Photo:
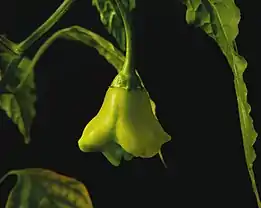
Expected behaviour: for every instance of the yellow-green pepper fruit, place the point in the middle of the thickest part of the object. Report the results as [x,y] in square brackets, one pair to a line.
[125,126]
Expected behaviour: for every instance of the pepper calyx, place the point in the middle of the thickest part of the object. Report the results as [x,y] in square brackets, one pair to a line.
[128,81]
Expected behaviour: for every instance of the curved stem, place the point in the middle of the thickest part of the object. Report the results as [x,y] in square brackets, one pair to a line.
[63,8]
[128,66]
[39,53]
[4,177]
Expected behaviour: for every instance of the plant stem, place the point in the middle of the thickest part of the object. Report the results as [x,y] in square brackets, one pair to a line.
[128,67]
[40,52]
[4,177]
[63,8]
[8,46]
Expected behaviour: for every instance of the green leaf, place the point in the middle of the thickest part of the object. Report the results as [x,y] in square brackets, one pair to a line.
[220,19]
[111,18]
[18,103]
[38,188]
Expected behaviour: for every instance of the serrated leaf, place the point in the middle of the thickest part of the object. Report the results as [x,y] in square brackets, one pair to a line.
[18,103]
[111,18]
[220,19]
[41,188]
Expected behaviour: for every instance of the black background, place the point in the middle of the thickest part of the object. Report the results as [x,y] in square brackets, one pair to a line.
[186,75]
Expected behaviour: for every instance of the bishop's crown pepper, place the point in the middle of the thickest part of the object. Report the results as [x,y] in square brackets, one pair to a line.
[126,125]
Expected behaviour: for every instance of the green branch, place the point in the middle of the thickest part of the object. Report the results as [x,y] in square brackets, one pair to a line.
[8,46]
[39,53]
[63,8]
[128,66]
[4,177]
